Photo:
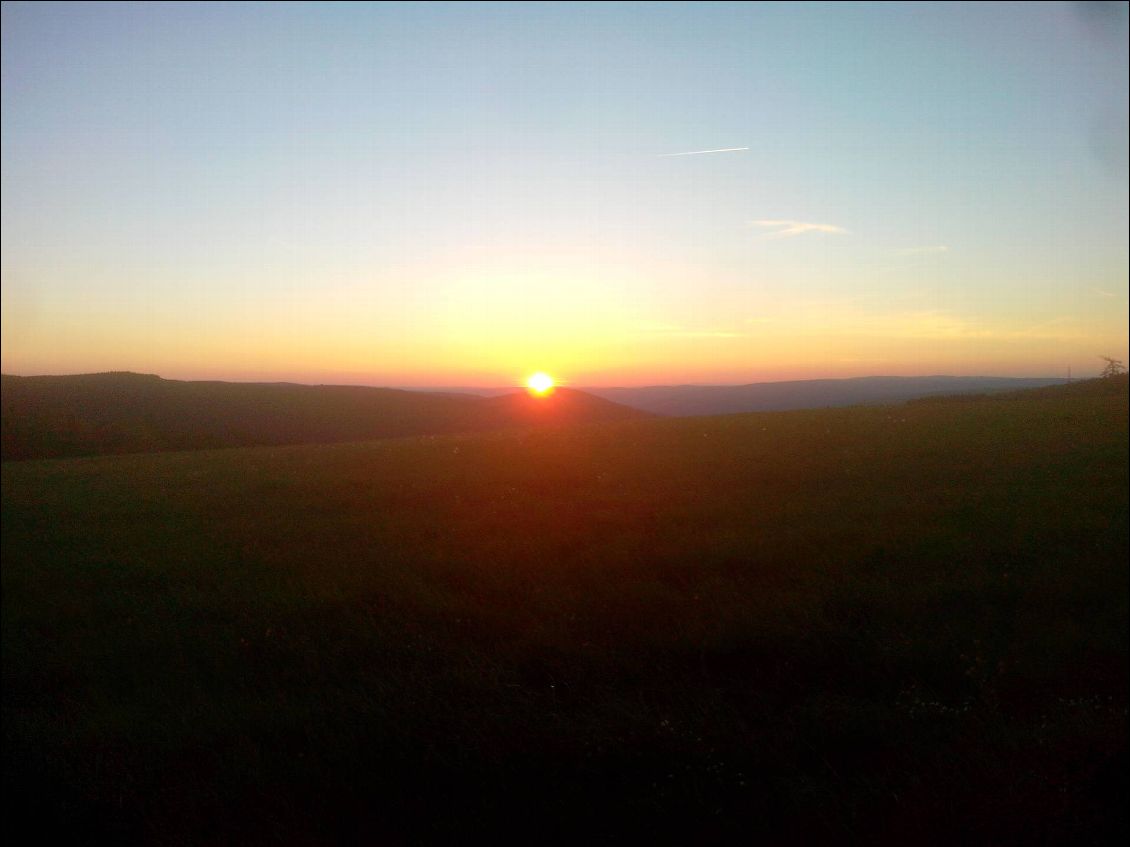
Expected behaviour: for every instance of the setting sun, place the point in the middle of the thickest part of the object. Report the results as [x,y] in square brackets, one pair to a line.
[540,384]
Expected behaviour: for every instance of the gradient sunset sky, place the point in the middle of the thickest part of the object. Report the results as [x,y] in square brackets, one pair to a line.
[435,194]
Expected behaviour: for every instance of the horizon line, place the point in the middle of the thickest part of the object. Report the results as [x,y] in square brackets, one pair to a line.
[472,387]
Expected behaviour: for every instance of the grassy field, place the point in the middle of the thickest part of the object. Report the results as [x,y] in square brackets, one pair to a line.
[896,625]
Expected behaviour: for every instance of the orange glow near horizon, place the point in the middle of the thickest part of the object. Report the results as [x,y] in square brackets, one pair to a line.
[540,384]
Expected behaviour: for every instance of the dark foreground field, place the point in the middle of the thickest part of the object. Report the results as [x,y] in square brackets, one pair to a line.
[889,625]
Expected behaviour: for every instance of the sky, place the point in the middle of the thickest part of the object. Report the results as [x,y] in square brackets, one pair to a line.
[460,194]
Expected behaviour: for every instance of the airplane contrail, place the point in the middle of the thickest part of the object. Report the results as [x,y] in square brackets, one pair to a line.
[700,152]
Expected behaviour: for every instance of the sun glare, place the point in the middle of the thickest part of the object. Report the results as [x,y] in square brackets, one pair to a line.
[540,384]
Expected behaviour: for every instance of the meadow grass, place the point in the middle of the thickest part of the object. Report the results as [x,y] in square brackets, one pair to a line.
[901,624]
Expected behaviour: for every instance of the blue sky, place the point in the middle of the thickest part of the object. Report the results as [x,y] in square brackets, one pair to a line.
[444,193]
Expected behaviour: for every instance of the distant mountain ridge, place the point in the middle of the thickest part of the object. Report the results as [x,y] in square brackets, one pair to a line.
[685,400]
[122,412]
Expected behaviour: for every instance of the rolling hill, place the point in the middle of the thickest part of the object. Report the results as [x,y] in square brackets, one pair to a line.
[92,414]
[806,394]
[876,625]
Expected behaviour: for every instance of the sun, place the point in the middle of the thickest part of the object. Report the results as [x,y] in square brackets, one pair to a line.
[540,384]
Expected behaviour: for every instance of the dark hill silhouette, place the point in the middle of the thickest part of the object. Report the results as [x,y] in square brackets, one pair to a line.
[563,406]
[92,414]
[1097,387]
[683,400]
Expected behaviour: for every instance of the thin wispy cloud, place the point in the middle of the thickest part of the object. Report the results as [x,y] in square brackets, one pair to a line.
[789,229]
[830,302]
[705,333]
[666,330]
[939,325]
[700,152]
[923,251]
[1102,293]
